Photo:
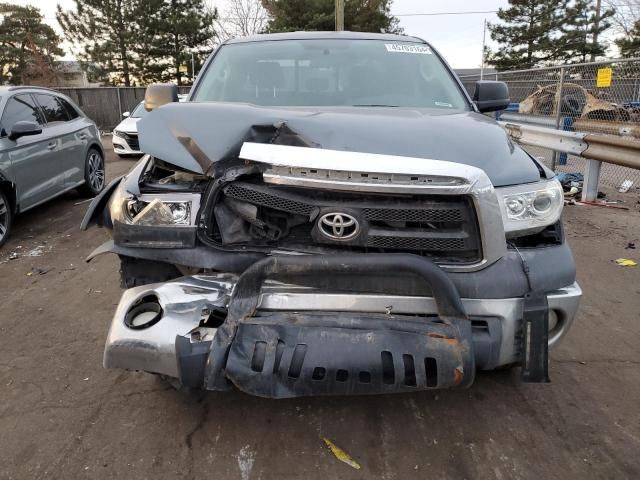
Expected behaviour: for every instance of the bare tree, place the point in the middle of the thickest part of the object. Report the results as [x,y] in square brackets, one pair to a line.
[241,18]
[627,14]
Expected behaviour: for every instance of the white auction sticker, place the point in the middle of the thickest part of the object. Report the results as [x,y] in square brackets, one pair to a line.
[407,48]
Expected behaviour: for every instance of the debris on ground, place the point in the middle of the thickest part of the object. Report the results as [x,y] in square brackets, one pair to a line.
[36,252]
[571,184]
[625,262]
[601,204]
[14,255]
[341,454]
[38,271]
[631,246]
[625,186]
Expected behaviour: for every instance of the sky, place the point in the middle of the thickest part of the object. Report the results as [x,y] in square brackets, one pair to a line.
[457,37]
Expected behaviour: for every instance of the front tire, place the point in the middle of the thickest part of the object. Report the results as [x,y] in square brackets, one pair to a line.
[6,217]
[94,177]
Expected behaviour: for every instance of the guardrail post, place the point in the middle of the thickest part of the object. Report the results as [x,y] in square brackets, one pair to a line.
[558,112]
[591,181]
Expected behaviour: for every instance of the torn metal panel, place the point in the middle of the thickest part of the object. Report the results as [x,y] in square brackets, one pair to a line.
[217,131]
[576,101]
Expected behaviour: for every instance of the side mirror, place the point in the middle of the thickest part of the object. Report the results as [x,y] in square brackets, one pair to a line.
[491,96]
[158,94]
[24,128]
[126,114]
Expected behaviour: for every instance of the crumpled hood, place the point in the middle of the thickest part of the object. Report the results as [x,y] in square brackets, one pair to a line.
[195,135]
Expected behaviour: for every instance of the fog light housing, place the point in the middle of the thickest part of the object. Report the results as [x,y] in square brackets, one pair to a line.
[145,313]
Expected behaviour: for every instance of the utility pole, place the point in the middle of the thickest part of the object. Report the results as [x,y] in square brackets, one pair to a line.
[596,26]
[484,36]
[339,15]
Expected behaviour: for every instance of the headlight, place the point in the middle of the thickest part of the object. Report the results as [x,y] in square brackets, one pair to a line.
[166,209]
[530,207]
[118,133]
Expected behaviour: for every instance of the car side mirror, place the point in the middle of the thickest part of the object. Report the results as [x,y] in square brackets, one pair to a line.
[491,96]
[24,128]
[159,94]
[126,114]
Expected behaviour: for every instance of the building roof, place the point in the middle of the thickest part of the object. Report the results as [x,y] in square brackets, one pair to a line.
[326,35]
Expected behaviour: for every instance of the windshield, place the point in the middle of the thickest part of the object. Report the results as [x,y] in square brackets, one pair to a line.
[330,73]
[139,111]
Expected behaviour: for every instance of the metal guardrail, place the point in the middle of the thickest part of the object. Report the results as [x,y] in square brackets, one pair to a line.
[556,97]
[595,147]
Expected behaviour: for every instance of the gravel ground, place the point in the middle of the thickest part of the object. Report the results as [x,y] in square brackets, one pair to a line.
[63,416]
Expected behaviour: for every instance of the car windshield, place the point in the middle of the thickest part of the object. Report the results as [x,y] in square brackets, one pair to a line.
[330,73]
[139,111]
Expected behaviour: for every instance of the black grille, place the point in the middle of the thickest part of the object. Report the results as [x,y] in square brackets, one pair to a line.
[266,199]
[132,140]
[443,227]
[413,215]
[413,243]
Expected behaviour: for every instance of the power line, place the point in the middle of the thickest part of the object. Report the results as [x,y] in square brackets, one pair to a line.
[441,13]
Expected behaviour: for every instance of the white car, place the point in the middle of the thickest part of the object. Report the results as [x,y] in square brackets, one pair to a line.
[125,135]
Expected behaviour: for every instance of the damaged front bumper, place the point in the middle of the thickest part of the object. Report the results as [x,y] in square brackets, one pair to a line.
[281,340]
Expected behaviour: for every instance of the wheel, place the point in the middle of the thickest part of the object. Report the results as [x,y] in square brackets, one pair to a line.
[93,174]
[6,217]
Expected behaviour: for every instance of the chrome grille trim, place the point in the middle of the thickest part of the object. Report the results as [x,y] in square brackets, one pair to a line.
[363,181]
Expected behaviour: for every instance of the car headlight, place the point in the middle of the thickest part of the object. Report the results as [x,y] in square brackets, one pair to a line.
[118,133]
[530,207]
[166,209]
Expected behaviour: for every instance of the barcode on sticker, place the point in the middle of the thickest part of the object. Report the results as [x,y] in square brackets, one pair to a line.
[407,48]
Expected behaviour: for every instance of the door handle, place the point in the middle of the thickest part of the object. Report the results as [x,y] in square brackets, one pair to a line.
[52,145]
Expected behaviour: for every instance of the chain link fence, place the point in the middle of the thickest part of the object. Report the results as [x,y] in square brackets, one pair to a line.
[597,97]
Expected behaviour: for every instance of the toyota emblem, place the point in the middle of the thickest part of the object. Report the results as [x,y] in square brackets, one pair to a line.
[338,226]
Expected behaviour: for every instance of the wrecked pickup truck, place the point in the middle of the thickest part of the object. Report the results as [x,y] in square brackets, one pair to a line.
[331,213]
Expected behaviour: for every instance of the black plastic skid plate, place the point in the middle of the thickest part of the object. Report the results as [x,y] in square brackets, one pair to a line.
[283,355]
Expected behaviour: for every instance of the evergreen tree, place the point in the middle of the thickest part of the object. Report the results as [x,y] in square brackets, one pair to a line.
[105,29]
[149,59]
[27,45]
[172,31]
[529,35]
[582,31]
[359,15]
[630,44]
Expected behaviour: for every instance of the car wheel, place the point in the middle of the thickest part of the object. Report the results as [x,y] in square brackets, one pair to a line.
[6,217]
[94,177]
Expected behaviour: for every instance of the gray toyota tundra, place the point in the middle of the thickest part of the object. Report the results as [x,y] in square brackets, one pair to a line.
[332,214]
